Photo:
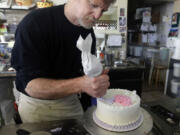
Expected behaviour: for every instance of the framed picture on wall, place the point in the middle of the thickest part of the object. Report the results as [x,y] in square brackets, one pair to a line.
[173,32]
[175,19]
[122,11]
[122,21]
[122,29]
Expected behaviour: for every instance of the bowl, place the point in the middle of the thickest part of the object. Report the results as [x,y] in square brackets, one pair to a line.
[44,4]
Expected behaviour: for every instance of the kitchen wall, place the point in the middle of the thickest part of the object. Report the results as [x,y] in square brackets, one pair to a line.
[165,10]
[176,6]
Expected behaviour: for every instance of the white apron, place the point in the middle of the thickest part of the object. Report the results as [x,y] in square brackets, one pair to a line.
[36,110]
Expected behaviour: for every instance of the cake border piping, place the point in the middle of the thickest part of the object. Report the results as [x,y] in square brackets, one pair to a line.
[116,128]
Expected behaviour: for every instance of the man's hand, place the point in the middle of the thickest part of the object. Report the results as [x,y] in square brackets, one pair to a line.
[96,86]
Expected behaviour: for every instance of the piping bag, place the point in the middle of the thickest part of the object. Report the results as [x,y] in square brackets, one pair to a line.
[92,66]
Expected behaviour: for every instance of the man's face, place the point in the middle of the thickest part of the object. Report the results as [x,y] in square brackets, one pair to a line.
[90,11]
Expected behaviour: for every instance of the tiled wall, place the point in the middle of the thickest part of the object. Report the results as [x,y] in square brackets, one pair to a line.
[176,6]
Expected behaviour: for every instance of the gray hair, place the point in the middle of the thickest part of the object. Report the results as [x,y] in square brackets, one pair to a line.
[109,1]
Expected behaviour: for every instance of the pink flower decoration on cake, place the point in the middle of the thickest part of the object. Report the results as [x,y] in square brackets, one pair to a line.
[123,100]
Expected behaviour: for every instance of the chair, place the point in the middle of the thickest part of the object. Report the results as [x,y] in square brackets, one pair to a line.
[159,65]
[157,74]
[153,53]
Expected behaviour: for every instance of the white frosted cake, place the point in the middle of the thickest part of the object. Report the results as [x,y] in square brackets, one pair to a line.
[118,110]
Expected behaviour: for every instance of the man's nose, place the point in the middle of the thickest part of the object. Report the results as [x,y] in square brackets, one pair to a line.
[97,13]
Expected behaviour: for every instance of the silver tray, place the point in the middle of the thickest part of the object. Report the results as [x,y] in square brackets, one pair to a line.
[94,129]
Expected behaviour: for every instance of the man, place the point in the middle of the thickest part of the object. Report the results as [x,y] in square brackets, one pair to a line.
[48,63]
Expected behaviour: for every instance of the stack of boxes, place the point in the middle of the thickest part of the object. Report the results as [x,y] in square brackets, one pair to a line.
[148,29]
[175,82]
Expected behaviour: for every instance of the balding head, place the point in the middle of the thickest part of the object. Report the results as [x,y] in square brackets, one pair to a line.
[86,12]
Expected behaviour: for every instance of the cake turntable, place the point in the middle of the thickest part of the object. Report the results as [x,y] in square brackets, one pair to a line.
[94,129]
[40,133]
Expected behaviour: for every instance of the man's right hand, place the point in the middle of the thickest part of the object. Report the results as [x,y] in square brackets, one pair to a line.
[96,86]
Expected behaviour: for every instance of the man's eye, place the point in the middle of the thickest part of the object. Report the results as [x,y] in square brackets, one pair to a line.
[94,6]
[104,11]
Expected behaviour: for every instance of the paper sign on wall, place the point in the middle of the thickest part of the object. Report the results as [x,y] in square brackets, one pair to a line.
[114,40]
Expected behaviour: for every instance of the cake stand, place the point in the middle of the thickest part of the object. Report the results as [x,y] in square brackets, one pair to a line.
[94,129]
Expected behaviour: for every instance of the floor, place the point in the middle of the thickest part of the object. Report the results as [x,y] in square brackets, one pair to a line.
[151,92]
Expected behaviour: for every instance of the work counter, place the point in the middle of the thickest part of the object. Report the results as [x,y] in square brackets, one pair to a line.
[75,127]
[7,74]
[128,76]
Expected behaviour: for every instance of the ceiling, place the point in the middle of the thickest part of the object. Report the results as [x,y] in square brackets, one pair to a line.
[133,4]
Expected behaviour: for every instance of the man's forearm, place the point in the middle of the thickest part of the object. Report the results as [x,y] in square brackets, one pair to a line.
[53,89]
[44,88]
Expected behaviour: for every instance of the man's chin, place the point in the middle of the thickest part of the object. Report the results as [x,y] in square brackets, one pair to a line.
[86,26]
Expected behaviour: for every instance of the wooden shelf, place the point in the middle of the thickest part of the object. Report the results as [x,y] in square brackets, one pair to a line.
[16,7]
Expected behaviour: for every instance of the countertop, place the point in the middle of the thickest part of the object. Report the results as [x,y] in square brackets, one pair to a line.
[123,66]
[165,128]
[7,74]
[128,64]
[160,119]
[64,127]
